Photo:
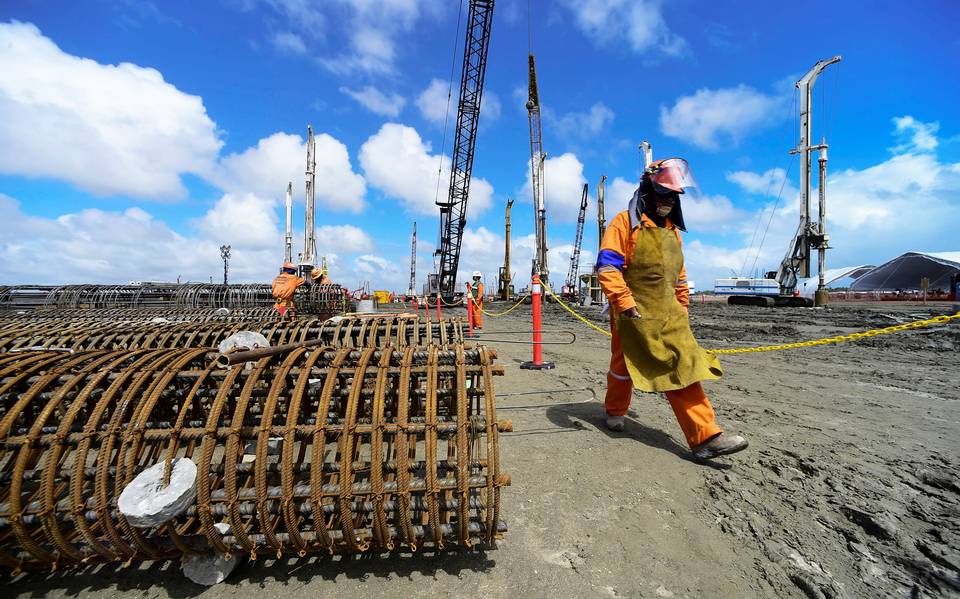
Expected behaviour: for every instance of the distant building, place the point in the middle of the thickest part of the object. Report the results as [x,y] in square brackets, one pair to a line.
[904,272]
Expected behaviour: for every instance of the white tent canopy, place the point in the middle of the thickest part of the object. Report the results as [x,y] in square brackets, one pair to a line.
[809,285]
[904,272]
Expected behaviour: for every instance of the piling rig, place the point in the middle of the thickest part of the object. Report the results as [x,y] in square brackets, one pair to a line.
[504,288]
[313,451]
[571,288]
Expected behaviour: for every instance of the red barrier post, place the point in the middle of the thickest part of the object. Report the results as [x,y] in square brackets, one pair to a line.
[537,363]
[438,308]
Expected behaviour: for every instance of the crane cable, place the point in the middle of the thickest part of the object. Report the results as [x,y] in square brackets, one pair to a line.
[446,115]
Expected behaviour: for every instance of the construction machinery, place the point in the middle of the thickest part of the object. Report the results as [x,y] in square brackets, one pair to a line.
[595,293]
[504,288]
[309,257]
[571,290]
[810,234]
[453,209]
[412,290]
[288,235]
[537,161]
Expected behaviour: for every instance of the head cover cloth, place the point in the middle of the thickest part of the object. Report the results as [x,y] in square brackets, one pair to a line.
[665,179]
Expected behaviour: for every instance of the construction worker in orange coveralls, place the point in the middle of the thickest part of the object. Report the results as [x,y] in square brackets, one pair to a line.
[284,287]
[475,291]
[641,271]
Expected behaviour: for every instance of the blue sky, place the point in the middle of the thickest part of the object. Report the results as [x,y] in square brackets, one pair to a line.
[137,137]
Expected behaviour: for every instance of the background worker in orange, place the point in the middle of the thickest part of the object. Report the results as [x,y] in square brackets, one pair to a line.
[284,287]
[475,291]
[641,271]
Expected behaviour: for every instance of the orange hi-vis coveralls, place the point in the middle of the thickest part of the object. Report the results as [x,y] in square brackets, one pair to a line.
[661,355]
[477,293]
[284,287]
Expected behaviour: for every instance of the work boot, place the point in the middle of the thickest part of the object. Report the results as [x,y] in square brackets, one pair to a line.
[722,444]
[615,423]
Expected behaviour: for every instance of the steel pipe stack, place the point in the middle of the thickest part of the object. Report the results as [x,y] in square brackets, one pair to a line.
[316,450]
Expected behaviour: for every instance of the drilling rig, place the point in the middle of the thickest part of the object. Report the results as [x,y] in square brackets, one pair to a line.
[537,161]
[571,289]
[453,209]
[595,293]
[309,257]
[412,290]
[288,236]
[779,287]
[503,281]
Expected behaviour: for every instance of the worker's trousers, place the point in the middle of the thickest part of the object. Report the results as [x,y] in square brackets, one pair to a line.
[477,314]
[690,405]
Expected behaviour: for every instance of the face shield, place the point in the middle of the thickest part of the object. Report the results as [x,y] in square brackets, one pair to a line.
[671,176]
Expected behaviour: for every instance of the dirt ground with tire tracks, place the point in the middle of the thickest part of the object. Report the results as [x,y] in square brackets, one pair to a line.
[849,487]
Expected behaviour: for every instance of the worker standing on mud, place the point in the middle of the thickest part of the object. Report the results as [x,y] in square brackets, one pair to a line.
[284,287]
[641,271]
[475,292]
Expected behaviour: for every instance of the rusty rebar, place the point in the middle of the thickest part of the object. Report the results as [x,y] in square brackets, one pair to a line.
[324,449]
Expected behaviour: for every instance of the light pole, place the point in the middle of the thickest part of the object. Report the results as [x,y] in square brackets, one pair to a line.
[225,254]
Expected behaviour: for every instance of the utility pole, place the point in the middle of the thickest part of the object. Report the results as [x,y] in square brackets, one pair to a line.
[413,262]
[225,254]
[537,160]
[309,243]
[288,237]
[504,279]
[812,235]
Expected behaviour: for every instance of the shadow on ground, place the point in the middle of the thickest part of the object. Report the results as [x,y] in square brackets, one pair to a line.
[114,578]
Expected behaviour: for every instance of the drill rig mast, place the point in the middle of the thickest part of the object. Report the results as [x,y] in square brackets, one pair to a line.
[453,210]
[810,234]
[537,160]
[288,236]
[503,281]
[309,257]
[413,262]
[570,289]
[596,294]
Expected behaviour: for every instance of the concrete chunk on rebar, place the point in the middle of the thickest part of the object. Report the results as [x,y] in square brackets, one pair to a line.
[209,570]
[146,503]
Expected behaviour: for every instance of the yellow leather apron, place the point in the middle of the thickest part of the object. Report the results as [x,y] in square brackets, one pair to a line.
[660,350]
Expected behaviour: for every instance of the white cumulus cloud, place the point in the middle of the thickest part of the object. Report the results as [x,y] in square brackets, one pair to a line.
[289,42]
[397,161]
[265,169]
[638,24]
[116,129]
[581,124]
[711,117]
[345,239]
[563,187]
[914,135]
[376,101]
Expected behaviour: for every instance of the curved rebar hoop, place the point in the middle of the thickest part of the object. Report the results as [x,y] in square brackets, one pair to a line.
[317,450]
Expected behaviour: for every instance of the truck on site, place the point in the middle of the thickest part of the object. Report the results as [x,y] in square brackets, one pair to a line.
[779,287]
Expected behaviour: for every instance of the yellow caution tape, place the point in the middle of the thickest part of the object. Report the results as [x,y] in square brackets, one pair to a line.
[498,314]
[917,324]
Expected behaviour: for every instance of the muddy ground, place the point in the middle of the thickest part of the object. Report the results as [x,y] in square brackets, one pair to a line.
[849,487]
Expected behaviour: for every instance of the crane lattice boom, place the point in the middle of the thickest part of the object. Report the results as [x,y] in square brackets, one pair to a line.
[453,210]
[575,258]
